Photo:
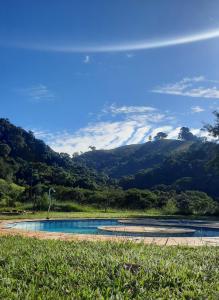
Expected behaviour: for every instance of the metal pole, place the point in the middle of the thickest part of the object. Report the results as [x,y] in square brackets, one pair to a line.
[50,201]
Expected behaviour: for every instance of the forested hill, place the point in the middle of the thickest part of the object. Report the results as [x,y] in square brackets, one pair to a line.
[194,169]
[29,161]
[165,164]
[169,164]
[128,160]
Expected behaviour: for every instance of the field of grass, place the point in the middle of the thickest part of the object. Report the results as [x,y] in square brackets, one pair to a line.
[91,214]
[73,210]
[36,269]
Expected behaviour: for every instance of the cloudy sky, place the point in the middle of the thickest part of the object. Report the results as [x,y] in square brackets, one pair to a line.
[108,73]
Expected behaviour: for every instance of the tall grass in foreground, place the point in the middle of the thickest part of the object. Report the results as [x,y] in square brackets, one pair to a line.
[35,269]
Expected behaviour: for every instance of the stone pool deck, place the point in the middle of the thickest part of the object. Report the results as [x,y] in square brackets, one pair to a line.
[161,241]
[145,229]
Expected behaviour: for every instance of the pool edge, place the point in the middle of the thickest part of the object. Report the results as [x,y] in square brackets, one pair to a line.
[161,241]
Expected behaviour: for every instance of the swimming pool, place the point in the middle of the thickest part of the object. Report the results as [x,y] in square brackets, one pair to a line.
[92,226]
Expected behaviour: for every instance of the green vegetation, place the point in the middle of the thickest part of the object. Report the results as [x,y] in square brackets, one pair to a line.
[82,200]
[37,269]
[175,176]
[162,178]
[87,212]
[10,193]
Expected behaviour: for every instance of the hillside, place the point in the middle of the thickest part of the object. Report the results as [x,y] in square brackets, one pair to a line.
[129,160]
[178,165]
[186,170]
[29,161]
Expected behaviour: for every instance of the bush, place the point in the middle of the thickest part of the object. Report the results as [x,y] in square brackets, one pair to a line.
[197,203]
[4,201]
[10,193]
[141,199]
[201,203]
[170,207]
[68,207]
[42,203]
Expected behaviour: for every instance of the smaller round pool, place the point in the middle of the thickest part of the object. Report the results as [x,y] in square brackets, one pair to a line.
[93,226]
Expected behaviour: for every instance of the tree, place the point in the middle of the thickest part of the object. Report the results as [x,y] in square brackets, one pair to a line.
[170,207]
[4,150]
[75,154]
[195,202]
[160,136]
[92,148]
[142,199]
[149,138]
[200,203]
[10,193]
[186,135]
[213,129]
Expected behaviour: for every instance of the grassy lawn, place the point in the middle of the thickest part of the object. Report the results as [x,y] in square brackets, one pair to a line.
[84,214]
[89,212]
[36,269]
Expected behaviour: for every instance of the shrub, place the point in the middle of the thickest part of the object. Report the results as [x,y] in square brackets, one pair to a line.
[170,207]
[201,203]
[68,207]
[42,202]
[142,199]
[195,202]
[10,193]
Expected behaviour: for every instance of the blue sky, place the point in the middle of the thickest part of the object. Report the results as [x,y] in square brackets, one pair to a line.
[108,73]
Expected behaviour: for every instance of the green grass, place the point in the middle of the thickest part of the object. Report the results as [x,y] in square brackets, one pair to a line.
[35,269]
[70,209]
[86,212]
[98,213]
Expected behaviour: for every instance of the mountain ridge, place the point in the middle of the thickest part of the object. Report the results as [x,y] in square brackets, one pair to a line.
[128,160]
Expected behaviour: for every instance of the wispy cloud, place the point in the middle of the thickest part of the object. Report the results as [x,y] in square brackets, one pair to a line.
[86,59]
[135,124]
[114,109]
[197,109]
[190,87]
[38,93]
[109,135]
[129,55]
[117,126]
[117,47]
[102,135]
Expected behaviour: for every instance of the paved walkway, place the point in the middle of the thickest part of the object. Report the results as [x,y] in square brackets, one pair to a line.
[185,241]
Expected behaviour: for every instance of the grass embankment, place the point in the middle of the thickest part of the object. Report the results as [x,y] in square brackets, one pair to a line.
[34,269]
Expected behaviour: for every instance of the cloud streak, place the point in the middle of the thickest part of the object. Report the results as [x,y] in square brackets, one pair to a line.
[86,59]
[127,109]
[190,87]
[197,109]
[135,124]
[129,125]
[38,93]
[119,47]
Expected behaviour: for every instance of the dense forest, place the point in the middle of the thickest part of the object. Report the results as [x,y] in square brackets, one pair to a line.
[181,176]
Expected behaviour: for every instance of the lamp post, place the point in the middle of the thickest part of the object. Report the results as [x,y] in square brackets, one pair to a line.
[50,201]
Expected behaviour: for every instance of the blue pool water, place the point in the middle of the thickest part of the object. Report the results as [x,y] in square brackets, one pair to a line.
[90,226]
